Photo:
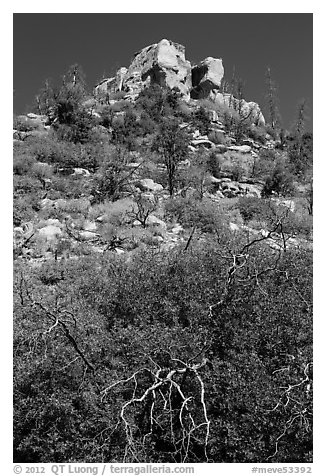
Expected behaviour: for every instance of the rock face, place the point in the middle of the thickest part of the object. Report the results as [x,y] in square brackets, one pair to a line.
[206,76]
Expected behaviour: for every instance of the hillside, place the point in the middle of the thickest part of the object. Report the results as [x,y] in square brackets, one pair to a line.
[163,270]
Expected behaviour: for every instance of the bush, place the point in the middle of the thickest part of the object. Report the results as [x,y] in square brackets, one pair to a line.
[258,134]
[252,208]
[73,206]
[24,209]
[279,182]
[189,212]
[237,172]
[214,165]
[24,124]
[121,315]
[22,163]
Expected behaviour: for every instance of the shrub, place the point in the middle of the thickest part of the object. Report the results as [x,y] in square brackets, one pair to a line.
[258,134]
[252,208]
[214,164]
[24,209]
[204,215]
[73,206]
[24,124]
[22,163]
[280,182]
[236,172]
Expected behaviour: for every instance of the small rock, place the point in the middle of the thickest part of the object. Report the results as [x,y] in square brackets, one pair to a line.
[203,142]
[177,229]
[88,235]
[233,227]
[81,171]
[243,149]
[47,203]
[89,226]
[154,221]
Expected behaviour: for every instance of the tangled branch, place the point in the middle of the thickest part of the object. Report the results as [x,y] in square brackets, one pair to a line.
[158,400]
[302,413]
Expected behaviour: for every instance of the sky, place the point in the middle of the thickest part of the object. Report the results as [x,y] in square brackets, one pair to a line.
[46,44]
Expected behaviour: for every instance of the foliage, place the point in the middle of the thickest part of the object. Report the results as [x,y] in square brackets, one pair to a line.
[257,342]
[279,182]
[65,108]
[158,102]
[201,120]
[172,143]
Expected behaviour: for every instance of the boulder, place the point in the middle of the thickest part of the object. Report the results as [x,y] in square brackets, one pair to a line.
[177,229]
[81,171]
[89,226]
[230,189]
[50,232]
[152,220]
[148,185]
[243,149]
[53,221]
[47,203]
[221,148]
[162,63]
[206,76]
[203,142]
[88,235]
[250,109]
[234,226]
[253,190]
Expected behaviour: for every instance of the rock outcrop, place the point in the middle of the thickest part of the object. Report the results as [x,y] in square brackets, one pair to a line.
[206,76]
[165,64]
[162,63]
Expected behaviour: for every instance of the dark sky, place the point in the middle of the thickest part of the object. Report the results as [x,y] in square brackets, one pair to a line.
[45,45]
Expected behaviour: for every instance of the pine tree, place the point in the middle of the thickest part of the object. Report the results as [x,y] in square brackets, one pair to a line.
[272,100]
